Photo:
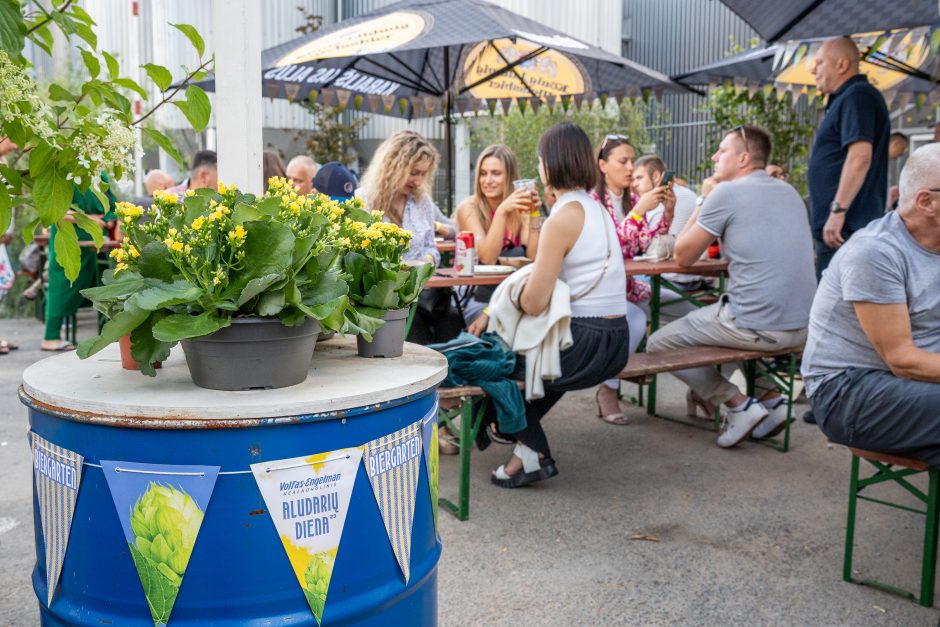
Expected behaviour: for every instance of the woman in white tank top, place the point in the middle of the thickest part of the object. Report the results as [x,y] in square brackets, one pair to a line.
[578,245]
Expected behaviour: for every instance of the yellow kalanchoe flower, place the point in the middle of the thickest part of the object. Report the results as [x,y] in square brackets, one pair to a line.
[222,188]
[190,193]
[198,222]
[177,246]
[120,267]
[133,251]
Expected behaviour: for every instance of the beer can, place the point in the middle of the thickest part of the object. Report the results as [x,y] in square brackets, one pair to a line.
[464,254]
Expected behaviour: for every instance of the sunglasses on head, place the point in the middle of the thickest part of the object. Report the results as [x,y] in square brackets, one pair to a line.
[614,138]
[743,132]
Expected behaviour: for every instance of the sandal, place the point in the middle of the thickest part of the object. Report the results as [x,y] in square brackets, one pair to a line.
[9,346]
[616,418]
[533,469]
[61,347]
[498,437]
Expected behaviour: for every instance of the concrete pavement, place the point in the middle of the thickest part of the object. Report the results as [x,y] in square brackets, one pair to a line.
[745,536]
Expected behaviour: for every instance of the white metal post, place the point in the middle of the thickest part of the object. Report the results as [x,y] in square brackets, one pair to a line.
[237,108]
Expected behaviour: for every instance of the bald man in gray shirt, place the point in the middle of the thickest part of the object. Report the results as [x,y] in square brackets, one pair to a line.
[872,359]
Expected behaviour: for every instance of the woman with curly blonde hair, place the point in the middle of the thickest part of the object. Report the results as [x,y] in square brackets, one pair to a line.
[398,184]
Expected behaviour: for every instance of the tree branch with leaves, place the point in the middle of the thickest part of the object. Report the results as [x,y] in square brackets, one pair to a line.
[67,137]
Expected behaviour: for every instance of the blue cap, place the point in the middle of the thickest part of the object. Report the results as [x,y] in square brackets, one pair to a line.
[335,180]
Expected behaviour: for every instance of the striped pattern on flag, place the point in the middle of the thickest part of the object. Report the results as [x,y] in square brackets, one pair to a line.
[395,487]
[51,465]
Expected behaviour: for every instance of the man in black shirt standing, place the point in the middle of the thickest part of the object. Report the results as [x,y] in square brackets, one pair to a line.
[848,168]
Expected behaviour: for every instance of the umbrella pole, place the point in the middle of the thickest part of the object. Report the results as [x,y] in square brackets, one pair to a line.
[448,135]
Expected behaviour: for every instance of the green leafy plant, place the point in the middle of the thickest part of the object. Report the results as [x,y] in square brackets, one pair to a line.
[188,268]
[165,522]
[69,136]
[521,129]
[378,279]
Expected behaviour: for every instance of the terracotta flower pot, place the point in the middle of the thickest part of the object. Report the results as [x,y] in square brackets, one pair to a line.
[127,361]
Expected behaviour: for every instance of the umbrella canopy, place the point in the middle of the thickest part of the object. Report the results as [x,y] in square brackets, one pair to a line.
[420,57]
[800,19]
[894,62]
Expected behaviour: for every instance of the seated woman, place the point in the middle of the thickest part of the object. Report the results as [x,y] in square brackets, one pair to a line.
[615,165]
[578,245]
[497,216]
[398,184]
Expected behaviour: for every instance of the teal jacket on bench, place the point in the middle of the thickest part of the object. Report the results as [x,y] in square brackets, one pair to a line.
[487,363]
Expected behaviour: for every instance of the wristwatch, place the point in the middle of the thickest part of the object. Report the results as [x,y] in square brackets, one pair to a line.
[835,208]
[700,200]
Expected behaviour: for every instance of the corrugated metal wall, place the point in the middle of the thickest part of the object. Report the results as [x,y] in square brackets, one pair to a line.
[674,36]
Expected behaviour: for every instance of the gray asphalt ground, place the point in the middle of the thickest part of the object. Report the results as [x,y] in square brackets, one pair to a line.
[748,536]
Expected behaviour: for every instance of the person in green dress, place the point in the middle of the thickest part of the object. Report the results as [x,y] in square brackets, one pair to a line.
[62,297]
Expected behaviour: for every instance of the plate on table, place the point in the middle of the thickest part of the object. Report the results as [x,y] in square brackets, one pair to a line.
[645,258]
[515,262]
[491,270]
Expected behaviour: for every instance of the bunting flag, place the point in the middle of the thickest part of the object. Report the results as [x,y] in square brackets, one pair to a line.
[392,464]
[388,101]
[56,474]
[374,103]
[308,499]
[342,97]
[431,452]
[161,508]
[272,91]
[291,89]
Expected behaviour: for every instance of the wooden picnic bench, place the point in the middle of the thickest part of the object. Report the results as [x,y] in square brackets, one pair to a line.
[643,367]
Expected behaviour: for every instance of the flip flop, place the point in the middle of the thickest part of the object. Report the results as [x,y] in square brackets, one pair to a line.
[10,346]
[61,347]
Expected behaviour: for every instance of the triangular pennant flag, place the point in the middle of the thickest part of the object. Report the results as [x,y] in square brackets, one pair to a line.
[536,104]
[461,105]
[658,92]
[577,99]
[551,101]
[505,103]
[491,105]
[920,100]
[403,105]
[415,105]
[161,509]
[431,452]
[374,103]
[312,96]
[388,101]
[430,104]
[308,499]
[904,98]
[565,103]
[392,464]
[475,106]
[328,97]
[56,474]
[342,96]
[291,89]
[357,102]
[272,89]
[889,96]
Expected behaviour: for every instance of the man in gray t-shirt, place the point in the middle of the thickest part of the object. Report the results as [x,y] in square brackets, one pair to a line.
[872,359]
[766,238]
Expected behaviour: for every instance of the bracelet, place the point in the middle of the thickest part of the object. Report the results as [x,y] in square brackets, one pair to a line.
[638,219]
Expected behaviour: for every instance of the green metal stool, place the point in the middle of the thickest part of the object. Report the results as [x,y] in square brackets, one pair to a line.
[896,469]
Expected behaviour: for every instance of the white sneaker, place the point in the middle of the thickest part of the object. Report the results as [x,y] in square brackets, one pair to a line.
[774,423]
[739,424]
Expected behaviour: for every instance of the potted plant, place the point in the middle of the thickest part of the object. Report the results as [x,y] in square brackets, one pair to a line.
[244,282]
[381,285]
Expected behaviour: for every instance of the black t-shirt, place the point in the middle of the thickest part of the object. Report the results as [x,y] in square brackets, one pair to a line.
[855,112]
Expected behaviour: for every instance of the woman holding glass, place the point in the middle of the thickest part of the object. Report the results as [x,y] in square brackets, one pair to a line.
[498,216]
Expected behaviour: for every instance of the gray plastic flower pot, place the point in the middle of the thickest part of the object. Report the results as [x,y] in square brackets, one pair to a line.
[252,354]
[389,339]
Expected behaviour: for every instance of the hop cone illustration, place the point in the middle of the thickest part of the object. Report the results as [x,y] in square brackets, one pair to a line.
[165,522]
[317,580]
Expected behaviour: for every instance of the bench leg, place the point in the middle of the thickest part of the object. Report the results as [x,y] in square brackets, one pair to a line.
[929,567]
[850,524]
[466,443]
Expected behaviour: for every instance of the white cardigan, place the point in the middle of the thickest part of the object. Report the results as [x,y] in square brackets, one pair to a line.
[540,338]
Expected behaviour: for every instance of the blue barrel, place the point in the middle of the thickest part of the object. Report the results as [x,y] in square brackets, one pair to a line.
[239,573]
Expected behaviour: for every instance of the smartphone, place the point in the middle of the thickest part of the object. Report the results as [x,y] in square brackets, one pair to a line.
[667,178]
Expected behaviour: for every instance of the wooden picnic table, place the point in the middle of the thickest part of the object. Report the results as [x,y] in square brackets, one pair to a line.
[447,277]
[703,267]
[446,246]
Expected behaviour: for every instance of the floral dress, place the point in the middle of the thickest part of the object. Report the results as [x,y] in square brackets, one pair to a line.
[634,238]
